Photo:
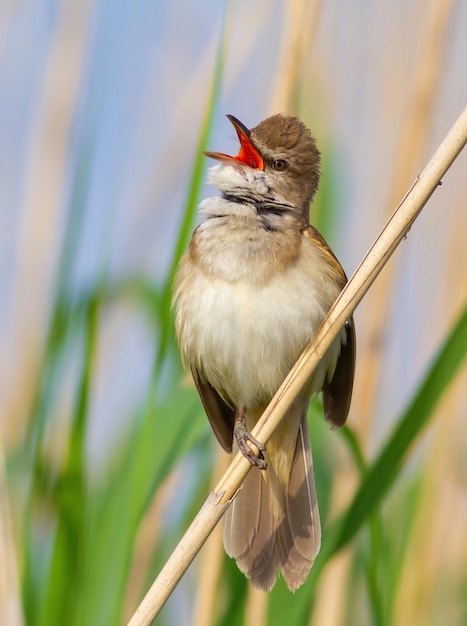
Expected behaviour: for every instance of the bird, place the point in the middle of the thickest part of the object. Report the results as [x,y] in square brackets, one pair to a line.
[250,293]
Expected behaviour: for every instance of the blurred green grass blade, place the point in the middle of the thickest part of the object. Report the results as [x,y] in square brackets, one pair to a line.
[373,564]
[151,452]
[386,467]
[400,520]
[234,605]
[62,310]
[69,493]
[191,205]
[324,208]
[196,180]
[355,449]
[375,569]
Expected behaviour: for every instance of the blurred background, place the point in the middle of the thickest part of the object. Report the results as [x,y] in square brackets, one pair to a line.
[105,453]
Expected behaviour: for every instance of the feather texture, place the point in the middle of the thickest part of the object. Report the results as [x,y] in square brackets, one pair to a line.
[273,523]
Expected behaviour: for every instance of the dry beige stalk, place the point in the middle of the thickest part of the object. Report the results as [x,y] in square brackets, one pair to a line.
[301,21]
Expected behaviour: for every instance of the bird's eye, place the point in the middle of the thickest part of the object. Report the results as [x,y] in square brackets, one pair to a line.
[279,165]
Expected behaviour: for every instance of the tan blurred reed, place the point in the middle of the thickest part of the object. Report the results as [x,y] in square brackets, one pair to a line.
[10,597]
[423,87]
[301,20]
[148,536]
[41,223]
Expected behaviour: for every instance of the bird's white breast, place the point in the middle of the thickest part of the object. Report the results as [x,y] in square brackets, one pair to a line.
[241,333]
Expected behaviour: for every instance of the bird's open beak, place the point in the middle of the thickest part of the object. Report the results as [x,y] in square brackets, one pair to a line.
[248,154]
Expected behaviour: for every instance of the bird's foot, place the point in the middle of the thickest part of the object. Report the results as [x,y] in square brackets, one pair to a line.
[245,441]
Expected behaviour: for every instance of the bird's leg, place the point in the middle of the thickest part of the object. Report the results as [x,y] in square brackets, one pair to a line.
[244,438]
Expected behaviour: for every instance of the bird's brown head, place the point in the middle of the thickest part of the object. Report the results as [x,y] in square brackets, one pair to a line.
[282,149]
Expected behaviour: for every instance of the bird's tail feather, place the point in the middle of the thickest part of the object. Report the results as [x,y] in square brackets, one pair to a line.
[273,524]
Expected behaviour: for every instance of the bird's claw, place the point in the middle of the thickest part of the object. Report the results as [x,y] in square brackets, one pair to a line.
[244,438]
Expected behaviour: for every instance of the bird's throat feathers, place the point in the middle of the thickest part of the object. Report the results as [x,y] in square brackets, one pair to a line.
[245,193]
[239,181]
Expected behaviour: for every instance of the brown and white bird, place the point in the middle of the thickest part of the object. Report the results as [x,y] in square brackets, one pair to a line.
[250,293]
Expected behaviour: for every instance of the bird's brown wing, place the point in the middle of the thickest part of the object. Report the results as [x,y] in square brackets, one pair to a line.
[220,414]
[337,392]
